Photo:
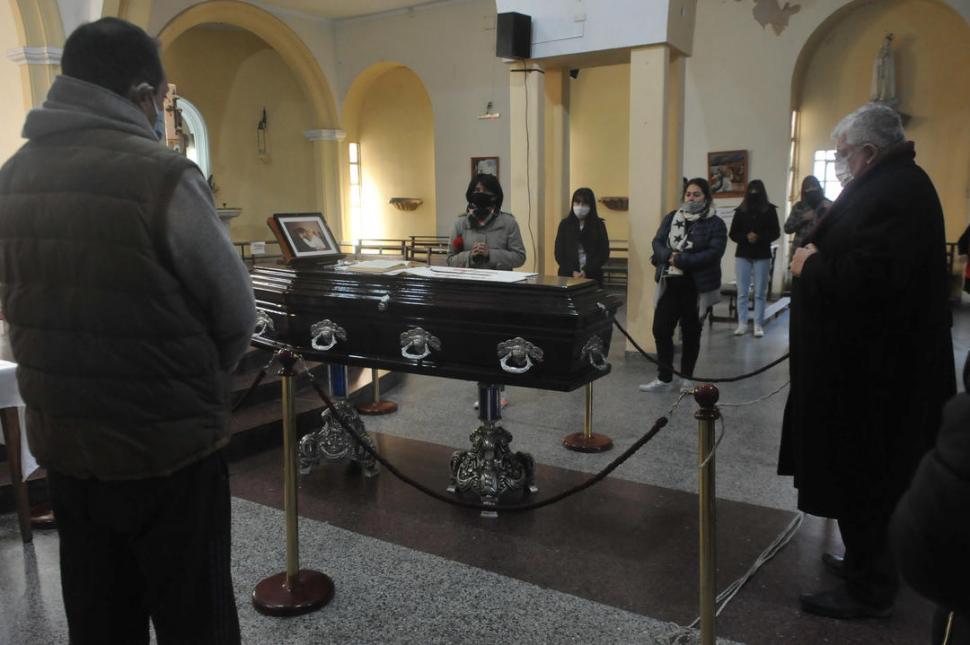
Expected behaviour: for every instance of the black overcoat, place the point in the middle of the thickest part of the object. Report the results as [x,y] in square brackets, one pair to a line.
[871,357]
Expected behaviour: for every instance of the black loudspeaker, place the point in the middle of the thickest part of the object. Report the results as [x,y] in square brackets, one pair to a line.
[513,35]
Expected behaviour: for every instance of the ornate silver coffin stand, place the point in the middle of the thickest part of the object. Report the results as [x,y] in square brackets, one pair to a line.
[490,469]
[331,442]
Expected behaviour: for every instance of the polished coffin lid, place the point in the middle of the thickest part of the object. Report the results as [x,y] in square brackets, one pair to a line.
[469,319]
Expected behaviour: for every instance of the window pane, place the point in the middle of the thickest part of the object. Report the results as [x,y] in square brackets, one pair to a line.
[354,174]
[354,153]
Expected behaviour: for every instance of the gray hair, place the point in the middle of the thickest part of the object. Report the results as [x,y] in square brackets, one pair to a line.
[874,123]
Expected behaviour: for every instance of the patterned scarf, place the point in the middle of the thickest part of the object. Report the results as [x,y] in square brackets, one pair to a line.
[677,238]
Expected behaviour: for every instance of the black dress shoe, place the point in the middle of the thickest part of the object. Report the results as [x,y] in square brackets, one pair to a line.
[835,564]
[839,603]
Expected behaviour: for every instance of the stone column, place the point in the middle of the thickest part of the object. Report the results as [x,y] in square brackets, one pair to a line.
[524,181]
[656,162]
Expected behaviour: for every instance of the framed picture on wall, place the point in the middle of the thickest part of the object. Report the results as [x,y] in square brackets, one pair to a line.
[484,166]
[305,236]
[728,172]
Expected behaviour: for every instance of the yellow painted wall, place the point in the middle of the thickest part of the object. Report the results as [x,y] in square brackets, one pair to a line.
[599,132]
[932,54]
[12,107]
[396,130]
[230,75]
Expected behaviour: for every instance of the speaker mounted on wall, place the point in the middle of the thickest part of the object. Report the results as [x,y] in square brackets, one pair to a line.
[513,35]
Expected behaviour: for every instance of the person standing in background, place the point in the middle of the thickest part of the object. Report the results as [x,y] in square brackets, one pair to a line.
[754,227]
[582,244]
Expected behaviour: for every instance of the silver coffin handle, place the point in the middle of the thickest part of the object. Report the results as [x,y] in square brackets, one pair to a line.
[516,356]
[324,334]
[263,324]
[422,341]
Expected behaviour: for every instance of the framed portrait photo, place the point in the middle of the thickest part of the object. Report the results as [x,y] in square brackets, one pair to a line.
[305,236]
[484,166]
[728,172]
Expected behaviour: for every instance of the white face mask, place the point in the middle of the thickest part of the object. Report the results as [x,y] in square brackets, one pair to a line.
[842,171]
[581,210]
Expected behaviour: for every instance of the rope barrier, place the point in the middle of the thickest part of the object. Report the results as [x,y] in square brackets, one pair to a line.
[639,443]
[723,379]
[758,400]
[252,388]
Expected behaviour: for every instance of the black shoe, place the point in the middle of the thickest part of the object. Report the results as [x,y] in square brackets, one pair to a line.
[835,564]
[839,603]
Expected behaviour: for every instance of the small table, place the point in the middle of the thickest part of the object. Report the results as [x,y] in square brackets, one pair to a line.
[11,406]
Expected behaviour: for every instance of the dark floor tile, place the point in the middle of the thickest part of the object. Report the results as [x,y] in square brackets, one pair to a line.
[629,545]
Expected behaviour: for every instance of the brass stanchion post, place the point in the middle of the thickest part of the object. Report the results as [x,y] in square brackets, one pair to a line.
[377,406]
[706,396]
[295,591]
[587,440]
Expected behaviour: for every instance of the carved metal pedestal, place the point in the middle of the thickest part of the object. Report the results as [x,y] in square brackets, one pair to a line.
[490,469]
[331,442]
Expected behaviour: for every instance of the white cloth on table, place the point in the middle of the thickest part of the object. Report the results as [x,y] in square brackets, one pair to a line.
[10,398]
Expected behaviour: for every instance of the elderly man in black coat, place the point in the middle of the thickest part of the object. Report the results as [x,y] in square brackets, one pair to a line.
[871,356]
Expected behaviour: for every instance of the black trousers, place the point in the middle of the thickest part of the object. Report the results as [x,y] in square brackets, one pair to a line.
[145,549]
[871,571]
[678,304]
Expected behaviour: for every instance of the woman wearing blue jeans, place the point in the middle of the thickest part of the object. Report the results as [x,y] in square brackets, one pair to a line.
[754,227]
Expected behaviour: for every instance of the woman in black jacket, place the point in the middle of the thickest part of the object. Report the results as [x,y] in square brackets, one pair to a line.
[582,245]
[754,228]
[687,253]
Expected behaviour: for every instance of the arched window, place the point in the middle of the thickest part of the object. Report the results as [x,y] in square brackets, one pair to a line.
[196,135]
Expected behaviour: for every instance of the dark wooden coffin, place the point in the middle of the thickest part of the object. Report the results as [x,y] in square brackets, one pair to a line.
[441,327]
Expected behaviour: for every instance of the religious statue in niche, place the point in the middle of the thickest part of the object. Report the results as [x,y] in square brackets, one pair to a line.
[883,88]
[884,75]
[770,12]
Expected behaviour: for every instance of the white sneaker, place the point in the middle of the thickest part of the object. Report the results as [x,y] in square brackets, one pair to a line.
[741,330]
[758,331]
[686,385]
[656,385]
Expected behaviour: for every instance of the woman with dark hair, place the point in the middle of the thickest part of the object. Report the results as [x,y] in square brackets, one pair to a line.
[485,236]
[582,245]
[806,211]
[754,227]
[687,252]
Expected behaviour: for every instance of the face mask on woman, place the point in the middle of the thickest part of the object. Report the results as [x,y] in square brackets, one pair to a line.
[694,207]
[813,197]
[580,210]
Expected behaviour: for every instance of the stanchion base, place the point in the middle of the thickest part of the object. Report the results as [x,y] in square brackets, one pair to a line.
[377,407]
[273,598]
[581,443]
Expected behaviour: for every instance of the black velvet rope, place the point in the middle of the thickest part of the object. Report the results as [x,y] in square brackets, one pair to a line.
[704,379]
[252,388]
[657,426]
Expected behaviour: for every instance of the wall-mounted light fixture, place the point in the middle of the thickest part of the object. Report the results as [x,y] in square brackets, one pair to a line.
[488,114]
[262,150]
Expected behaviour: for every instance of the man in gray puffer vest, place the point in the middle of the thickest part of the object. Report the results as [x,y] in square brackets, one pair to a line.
[128,310]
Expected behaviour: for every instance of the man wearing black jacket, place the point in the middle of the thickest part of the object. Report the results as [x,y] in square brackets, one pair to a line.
[871,356]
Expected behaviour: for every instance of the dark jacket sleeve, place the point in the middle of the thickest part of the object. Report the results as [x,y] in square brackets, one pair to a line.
[771,230]
[661,252]
[603,252]
[565,259]
[930,529]
[736,234]
[711,252]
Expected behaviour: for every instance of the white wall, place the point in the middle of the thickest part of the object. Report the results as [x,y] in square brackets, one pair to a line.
[451,48]
[563,27]
[738,94]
